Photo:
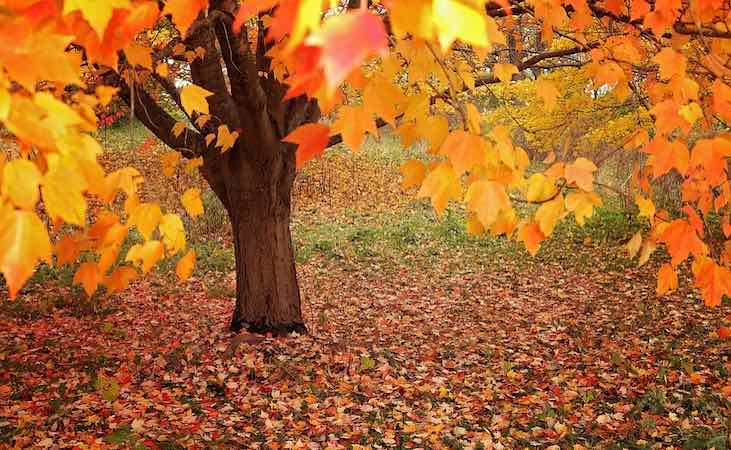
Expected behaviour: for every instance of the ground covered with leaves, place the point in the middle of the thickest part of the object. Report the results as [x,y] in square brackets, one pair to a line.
[419,337]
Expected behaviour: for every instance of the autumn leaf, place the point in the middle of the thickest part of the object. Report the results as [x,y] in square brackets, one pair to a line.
[548,92]
[193,98]
[634,244]
[582,204]
[441,185]
[172,232]
[20,183]
[169,162]
[145,218]
[185,265]
[413,172]
[681,240]
[63,194]
[487,199]
[184,12]
[145,255]
[192,203]
[346,40]
[667,280]
[97,13]
[465,150]
[504,72]
[119,279]
[88,275]
[353,123]
[311,140]
[23,242]
[225,138]
[581,172]
[531,236]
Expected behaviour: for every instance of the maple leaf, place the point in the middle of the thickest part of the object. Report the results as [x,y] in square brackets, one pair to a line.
[96,12]
[145,255]
[183,12]
[119,279]
[173,233]
[681,240]
[581,172]
[712,279]
[441,184]
[540,188]
[346,41]
[582,204]
[465,150]
[531,236]
[504,71]
[20,183]
[251,8]
[548,215]
[646,206]
[193,98]
[413,172]
[192,203]
[169,162]
[226,139]
[667,280]
[487,199]
[23,242]
[353,123]
[311,140]
[88,275]
[472,27]
[671,63]
[63,197]
[185,265]
[145,217]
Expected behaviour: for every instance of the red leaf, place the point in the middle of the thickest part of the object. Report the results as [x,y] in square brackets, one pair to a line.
[311,139]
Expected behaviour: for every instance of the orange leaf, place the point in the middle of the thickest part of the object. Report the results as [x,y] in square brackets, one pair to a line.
[185,265]
[184,12]
[353,123]
[667,279]
[681,240]
[88,276]
[23,241]
[465,150]
[581,172]
[724,332]
[311,140]
[530,234]
[441,185]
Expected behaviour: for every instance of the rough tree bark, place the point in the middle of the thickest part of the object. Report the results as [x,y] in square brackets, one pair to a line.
[253,179]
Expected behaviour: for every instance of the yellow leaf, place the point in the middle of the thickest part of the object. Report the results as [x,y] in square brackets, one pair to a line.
[162,70]
[145,255]
[646,206]
[173,233]
[88,276]
[63,194]
[192,202]
[434,129]
[353,123]
[413,172]
[185,265]
[504,71]
[178,128]
[107,258]
[456,20]
[193,98]
[548,214]
[487,199]
[441,184]
[169,162]
[380,98]
[540,188]
[20,183]
[145,218]
[226,139]
[582,204]
[96,12]
[23,241]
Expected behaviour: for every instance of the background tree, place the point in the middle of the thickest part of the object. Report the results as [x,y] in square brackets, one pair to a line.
[251,79]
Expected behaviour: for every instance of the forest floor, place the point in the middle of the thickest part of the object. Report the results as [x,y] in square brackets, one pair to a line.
[420,336]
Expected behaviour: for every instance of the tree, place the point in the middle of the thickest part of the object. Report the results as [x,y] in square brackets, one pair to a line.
[256,76]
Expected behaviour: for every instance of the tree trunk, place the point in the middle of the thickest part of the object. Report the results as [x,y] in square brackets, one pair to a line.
[267,293]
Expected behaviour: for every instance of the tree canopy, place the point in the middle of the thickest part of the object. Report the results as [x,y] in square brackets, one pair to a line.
[653,74]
